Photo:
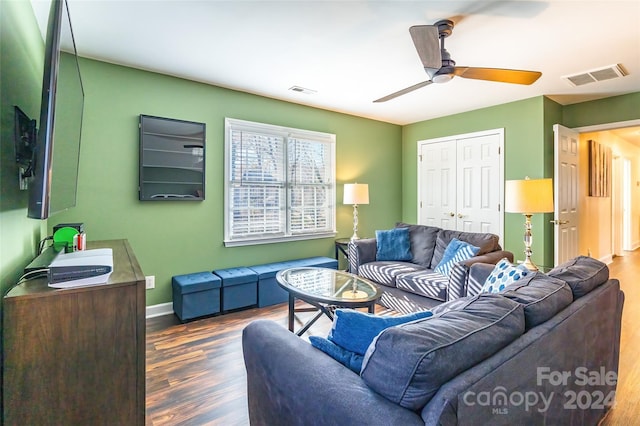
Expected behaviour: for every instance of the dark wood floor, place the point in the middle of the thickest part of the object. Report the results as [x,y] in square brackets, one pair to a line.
[195,372]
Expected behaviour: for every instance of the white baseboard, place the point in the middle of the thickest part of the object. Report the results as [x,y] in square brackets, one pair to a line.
[159,310]
[608,259]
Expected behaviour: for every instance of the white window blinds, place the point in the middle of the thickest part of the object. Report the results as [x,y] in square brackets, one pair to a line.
[280,183]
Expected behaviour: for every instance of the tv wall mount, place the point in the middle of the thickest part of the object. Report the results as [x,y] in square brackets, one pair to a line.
[25,143]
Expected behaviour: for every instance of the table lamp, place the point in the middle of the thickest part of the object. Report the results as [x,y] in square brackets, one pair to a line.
[355,193]
[528,196]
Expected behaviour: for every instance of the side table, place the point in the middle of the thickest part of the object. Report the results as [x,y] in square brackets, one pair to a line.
[342,246]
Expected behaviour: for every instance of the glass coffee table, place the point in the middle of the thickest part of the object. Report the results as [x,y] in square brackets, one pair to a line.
[326,290]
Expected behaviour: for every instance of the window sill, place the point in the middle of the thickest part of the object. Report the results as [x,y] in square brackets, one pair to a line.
[255,241]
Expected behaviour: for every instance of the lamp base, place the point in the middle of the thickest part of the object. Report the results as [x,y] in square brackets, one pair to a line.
[355,223]
[528,240]
[528,263]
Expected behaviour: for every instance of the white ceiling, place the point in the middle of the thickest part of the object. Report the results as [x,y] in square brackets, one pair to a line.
[352,52]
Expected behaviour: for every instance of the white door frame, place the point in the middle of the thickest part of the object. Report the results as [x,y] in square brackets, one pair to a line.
[626,203]
[617,208]
[497,131]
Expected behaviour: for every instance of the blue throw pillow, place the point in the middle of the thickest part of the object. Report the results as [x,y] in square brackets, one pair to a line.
[393,244]
[347,358]
[503,274]
[354,330]
[456,251]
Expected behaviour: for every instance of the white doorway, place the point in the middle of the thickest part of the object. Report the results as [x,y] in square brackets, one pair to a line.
[621,228]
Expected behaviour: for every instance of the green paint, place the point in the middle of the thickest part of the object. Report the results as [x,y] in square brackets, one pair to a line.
[21,62]
[172,238]
[524,156]
[602,111]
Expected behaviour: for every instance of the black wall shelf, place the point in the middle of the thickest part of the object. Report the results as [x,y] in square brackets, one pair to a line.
[172,159]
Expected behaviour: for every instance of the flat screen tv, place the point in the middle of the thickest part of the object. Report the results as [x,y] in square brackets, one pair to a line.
[53,185]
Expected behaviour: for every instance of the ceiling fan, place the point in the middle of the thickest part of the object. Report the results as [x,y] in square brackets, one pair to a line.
[429,42]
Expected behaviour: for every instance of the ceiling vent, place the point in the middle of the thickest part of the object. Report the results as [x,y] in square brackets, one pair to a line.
[600,74]
[303,90]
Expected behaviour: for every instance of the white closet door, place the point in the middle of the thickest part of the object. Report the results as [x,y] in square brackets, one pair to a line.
[478,184]
[438,193]
[461,182]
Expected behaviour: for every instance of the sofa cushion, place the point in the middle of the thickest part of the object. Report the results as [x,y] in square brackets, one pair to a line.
[393,244]
[487,242]
[385,273]
[582,273]
[354,330]
[423,242]
[351,360]
[541,296]
[504,274]
[456,251]
[425,283]
[436,349]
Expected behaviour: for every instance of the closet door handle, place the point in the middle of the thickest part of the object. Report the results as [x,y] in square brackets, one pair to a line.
[450,214]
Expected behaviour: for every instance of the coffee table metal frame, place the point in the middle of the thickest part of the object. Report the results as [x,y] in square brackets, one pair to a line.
[325,305]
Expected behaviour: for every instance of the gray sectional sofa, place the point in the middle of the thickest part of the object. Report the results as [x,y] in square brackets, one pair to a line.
[413,285]
[543,351]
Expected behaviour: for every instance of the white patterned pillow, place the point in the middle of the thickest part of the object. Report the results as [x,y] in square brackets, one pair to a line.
[456,251]
[503,274]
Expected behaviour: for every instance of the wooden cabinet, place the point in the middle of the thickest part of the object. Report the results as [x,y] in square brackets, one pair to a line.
[171,159]
[77,356]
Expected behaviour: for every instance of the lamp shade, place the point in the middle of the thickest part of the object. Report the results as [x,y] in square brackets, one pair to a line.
[528,196]
[356,193]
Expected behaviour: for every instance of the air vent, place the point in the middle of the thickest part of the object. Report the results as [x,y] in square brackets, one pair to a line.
[303,90]
[600,74]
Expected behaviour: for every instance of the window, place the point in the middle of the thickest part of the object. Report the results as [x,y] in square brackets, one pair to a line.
[279,183]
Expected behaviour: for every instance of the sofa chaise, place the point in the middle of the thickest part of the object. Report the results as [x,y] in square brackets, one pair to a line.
[543,351]
[414,284]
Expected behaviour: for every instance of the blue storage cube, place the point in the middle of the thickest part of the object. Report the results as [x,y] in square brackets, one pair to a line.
[318,261]
[269,291]
[239,287]
[196,295]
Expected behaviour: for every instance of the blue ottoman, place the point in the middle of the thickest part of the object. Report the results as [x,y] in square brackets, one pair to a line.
[239,287]
[196,295]
[269,292]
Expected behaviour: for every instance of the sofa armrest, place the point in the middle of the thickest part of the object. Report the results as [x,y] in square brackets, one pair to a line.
[289,382]
[459,275]
[360,252]
[492,258]
[478,273]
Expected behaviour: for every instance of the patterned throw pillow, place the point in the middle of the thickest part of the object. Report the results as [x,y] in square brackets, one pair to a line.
[456,251]
[503,274]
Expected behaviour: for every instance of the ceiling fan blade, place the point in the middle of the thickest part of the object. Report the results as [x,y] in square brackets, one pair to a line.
[498,74]
[403,91]
[427,42]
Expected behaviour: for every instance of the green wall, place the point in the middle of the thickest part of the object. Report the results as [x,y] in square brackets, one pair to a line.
[602,111]
[526,150]
[21,63]
[552,115]
[175,237]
